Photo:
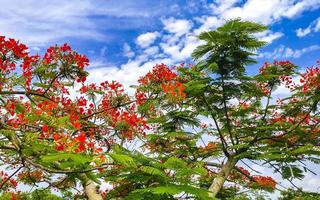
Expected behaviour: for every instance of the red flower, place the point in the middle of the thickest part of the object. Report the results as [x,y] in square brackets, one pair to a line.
[45,128]
[160,73]
[82,137]
[65,47]
[56,137]
[77,125]
[265,181]
[59,147]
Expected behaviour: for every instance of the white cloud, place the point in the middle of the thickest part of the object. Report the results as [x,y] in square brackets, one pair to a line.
[180,51]
[208,23]
[286,52]
[313,27]
[171,50]
[146,39]
[269,36]
[303,32]
[177,26]
[264,11]
[152,51]
[127,74]
[220,6]
[295,8]
[103,51]
[317,26]
[127,52]
[39,22]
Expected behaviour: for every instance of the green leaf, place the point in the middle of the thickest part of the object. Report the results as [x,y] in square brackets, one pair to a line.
[291,171]
[177,189]
[123,159]
[62,121]
[41,85]
[175,163]
[93,177]
[78,158]
[152,171]
[19,108]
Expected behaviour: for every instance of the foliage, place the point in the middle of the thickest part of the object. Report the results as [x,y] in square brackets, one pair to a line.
[299,195]
[151,145]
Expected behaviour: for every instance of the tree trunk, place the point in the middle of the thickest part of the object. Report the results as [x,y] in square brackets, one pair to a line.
[218,182]
[90,189]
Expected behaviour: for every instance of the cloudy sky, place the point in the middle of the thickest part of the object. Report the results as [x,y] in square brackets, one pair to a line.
[125,38]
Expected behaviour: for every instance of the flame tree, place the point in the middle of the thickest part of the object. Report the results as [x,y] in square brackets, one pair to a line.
[151,145]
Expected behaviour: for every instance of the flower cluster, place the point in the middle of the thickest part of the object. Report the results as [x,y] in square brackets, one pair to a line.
[66,54]
[310,80]
[127,122]
[281,72]
[30,176]
[68,60]
[161,75]
[262,181]
[265,181]
[12,51]
[174,90]
[285,67]
[82,142]
[209,147]
[9,183]
[117,109]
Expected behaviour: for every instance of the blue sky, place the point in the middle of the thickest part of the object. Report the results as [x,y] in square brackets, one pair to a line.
[125,38]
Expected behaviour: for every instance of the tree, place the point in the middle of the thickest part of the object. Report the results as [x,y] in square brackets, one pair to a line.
[296,195]
[245,122]
[47,135]
[150,145]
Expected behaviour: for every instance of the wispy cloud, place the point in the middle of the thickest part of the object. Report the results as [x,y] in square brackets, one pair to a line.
[146,39]
[38,23]
[286,52]
[269,36]
[313,27]
[176,39]
[263,11]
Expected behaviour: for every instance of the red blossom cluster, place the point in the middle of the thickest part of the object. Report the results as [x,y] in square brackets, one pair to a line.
[167,79]
[283,69]
[159,74]
[288,82]
[12,51]
[141,97]
[209,147]
[125,121]
[35,175]
[244,105]
[17,111]
[65,54]
[264,87]
[286,65]
[263,181]
[283,66]
[7,182]
[311,79]
[244,171]
[84,141]
[175,89]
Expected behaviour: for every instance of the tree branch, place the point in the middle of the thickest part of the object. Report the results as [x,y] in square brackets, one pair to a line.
[223,141]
